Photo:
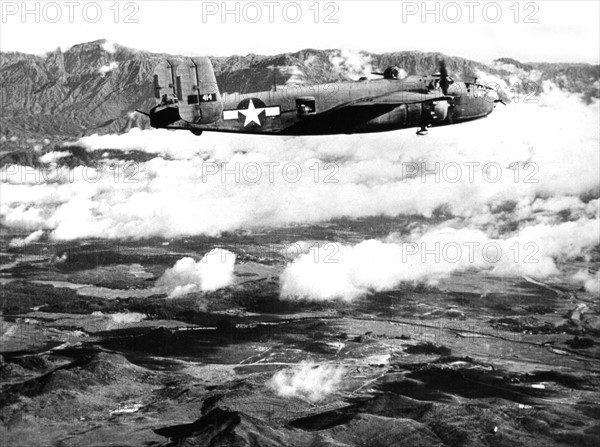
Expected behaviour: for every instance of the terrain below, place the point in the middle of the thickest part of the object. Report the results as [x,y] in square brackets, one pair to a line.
[93,353]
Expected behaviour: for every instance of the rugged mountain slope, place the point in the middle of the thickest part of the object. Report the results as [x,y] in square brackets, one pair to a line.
[95,87]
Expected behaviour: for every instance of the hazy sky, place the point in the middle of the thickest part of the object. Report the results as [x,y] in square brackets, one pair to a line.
[551,31]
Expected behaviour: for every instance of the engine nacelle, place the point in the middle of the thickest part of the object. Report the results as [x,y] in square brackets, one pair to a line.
[438,111]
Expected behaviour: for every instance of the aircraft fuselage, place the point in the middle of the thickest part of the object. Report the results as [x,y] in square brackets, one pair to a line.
[336,108]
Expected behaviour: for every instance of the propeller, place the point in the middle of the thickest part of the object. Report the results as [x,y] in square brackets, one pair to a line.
[444,83]
[503,97]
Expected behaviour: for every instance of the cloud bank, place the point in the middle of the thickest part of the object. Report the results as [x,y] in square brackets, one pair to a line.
[526,174]
[375,265]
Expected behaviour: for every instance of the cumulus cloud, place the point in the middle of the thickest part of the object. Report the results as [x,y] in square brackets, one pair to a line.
[307,381]
[373,265]
[108,68]
[591,282]
[109,46]
[352,63]
[23,242]
[214,271]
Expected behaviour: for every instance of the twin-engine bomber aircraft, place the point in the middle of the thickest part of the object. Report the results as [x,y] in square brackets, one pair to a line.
[188,98]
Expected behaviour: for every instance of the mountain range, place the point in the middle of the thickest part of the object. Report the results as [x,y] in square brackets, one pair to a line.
[96,87]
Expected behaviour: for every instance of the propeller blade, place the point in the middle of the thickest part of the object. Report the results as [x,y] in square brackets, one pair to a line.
[444,83]
[503,97]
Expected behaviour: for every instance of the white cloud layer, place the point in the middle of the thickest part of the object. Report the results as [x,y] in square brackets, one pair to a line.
[547,191]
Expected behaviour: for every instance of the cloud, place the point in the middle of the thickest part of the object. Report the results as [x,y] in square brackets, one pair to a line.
[214,271]
[321,281]
[591,282]
[545,176]
[307,381]
[296,75]
[119,319]
[127,317]
[109,46]
[175,145]
[54,156]
[373,265]
[22,242]
[353,64]
[108,68]
[122,317]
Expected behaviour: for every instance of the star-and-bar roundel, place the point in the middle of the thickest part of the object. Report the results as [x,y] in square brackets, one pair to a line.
[251,111]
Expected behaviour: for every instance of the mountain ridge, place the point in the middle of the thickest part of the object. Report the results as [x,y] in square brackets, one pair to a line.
[95,87]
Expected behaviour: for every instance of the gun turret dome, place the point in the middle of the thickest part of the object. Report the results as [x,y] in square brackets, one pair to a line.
[391,73]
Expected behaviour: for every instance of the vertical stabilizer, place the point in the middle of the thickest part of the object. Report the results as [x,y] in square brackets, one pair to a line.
[198,95]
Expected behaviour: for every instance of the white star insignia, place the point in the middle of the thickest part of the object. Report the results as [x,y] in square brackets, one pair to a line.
[251,114]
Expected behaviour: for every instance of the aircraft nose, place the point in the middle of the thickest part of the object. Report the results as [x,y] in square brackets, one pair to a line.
[493,95]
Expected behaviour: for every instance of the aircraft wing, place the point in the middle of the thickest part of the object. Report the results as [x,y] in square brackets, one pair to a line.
[387,102]
[364,109]
[402,97]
